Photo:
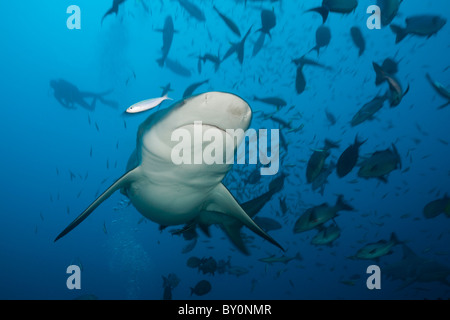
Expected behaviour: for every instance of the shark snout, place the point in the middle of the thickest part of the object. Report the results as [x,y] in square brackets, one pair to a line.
[239,108]
[226,110]
[228,102]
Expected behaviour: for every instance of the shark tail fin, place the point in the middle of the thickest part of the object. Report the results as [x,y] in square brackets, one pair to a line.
[323,11]
[222,201]
[120,183]
[400,32]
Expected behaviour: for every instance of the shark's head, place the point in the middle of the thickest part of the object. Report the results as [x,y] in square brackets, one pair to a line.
[192,122]
[218,109]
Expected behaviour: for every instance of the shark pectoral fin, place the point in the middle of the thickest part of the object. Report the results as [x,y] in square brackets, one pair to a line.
[222,200]
[120,183]
[233,231]
[228,224]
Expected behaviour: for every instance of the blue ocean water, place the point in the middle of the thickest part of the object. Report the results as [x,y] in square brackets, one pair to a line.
[57,160]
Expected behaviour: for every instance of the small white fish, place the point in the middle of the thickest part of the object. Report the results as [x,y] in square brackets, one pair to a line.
[147,104]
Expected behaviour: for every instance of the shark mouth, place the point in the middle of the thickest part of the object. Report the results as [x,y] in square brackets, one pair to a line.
[204,127]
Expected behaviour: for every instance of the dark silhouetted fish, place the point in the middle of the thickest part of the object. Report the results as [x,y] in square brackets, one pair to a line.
[177,68]
[380,164]
[326,235]
[208,265]
[389,66]
[358,39]
[422,25]
[436,207]
[193,262]
[274,101]
[192,9]
[323,37]
[283,259]
[283,122]
[283,205]
[114,8]
[379,73]
[238,48]
[172,281]
[190,90]
[317,161]
[330,117]
[318,215]
[167,294]
[230,23]
[373,251]
[212,58]
[201,288]
[322,179]
[441,90]
[268,21]
[300,81]
[369,109]
[396,91]
[338,6]
[348,158]
[237,270]
[388,10]
[167,32]
[166,89]
[302,61]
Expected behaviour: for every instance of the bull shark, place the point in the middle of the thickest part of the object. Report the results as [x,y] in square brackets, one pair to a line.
[171,194]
